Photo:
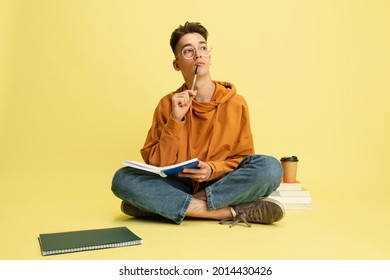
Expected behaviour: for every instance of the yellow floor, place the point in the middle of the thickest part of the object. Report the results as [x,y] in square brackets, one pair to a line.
[340,226]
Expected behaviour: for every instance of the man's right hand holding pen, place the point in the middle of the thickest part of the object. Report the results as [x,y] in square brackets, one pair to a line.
[181,102]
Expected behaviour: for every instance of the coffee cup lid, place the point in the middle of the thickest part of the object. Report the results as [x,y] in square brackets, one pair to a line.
[293,158]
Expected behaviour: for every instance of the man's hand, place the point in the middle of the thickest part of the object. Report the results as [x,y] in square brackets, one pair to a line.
[181,102]
[200,175]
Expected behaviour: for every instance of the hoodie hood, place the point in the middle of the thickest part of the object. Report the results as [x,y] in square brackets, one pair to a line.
[223,92]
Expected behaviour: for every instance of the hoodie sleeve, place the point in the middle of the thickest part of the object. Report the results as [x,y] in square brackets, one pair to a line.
[160,148]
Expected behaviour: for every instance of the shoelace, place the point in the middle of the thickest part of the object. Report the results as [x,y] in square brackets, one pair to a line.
[238,218]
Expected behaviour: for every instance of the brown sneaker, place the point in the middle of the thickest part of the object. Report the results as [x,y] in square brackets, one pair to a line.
[131,210]
[263,211]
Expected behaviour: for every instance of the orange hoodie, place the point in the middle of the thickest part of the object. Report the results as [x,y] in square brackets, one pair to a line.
[216,132]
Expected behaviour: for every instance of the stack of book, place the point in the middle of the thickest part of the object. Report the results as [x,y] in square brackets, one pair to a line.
[293,196]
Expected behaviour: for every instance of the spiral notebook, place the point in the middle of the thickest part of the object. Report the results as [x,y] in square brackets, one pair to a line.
[86,240]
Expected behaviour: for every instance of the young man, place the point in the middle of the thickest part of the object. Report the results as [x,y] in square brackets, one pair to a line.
[211,123]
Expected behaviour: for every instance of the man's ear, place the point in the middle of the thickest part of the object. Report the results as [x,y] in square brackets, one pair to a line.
[176,65]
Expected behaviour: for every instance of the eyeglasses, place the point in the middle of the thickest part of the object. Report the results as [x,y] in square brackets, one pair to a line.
[189,52]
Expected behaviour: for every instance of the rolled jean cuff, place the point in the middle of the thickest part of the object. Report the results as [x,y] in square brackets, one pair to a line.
[182,212]
[209,197]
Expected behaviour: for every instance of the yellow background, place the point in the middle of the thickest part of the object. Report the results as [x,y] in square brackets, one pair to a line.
[79,81]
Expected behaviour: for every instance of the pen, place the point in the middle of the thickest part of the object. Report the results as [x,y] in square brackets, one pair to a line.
[194,81]
[196,74]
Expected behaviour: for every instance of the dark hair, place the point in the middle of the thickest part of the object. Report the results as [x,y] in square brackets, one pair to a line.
[188,27]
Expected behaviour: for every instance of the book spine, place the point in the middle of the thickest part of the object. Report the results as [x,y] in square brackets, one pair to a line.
[292,199]
[91,248]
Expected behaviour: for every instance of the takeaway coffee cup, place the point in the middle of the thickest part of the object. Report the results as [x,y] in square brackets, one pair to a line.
[289,165]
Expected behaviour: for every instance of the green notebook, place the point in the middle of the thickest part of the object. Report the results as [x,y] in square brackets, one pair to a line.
[75,241]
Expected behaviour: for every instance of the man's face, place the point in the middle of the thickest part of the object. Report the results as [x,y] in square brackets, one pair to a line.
[188,43]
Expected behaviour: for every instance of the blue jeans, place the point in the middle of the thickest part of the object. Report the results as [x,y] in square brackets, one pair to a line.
[256,176]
